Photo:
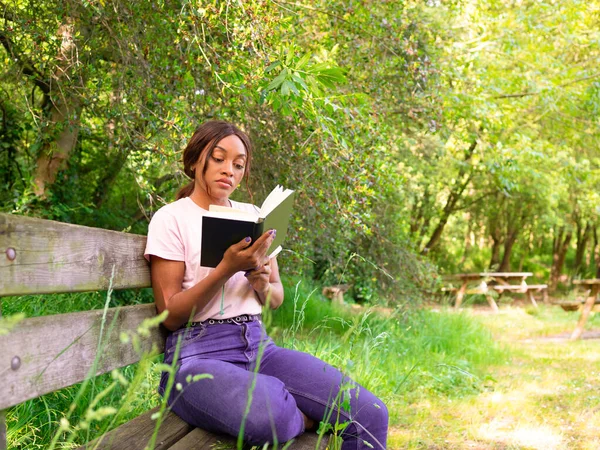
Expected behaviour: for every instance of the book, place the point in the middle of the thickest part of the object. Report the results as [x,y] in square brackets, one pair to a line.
[223,226]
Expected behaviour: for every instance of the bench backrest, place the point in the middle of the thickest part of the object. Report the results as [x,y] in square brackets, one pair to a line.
[43,354]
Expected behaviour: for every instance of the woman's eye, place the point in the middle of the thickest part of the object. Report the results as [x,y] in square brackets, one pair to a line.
[219,160]
[239,166]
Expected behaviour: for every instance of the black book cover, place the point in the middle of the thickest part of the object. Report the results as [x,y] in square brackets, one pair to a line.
[224,233]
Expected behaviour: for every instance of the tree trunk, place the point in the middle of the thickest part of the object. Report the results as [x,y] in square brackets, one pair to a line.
[509,242]
[495,259]
[117,155]
[418,210]
[468,242]
[497,240]
[514,223]
[582,240]
[596,251]
[561,246]
[65,108]
[455,195]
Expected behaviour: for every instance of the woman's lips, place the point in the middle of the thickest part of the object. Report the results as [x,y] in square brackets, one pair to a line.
[224,183]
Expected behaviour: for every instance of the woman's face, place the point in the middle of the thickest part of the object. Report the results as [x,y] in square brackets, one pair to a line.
[224,168]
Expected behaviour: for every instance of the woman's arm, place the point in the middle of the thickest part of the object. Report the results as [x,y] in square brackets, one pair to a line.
[267,284]
[167,277]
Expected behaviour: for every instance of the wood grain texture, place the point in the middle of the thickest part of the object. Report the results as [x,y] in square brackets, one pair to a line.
[585,312]
[198,438]
[136,434]
[587,282]
[57,351]
[2,430]
[175,434]
[53,257]
[2,413]
[308,441]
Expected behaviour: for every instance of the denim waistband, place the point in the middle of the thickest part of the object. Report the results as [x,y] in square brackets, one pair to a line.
[236,319]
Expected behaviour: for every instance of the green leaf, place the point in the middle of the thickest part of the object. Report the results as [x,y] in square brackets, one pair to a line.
[302,62]
[272,66]
[285,88]
[278,80]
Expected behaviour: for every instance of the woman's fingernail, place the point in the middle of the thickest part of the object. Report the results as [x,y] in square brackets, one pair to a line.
[248,239]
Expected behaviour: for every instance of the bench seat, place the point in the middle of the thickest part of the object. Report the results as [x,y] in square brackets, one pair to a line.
[518,287]
[175,434]
[46,353]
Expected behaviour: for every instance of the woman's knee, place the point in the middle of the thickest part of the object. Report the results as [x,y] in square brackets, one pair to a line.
[278,420]
[372,423]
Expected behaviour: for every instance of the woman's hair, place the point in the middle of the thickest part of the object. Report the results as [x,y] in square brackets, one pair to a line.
[201,146]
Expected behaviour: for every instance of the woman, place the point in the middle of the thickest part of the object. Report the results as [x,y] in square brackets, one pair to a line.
[292,391]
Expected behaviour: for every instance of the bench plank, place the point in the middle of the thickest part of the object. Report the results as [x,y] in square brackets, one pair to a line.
[135,434]
[175,434]
[203,439]
[43,354]
[53,257]
[517,287]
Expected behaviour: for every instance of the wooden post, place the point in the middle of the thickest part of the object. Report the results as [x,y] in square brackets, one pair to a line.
[531,297]
[492,303]
[3,444]
[460,294]
[587,308]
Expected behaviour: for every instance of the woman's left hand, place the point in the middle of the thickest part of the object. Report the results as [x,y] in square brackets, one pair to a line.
[259,279]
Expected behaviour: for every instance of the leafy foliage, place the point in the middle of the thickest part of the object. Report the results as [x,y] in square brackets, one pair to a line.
[464,131]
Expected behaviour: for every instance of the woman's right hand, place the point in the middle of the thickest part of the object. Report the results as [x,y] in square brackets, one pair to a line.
[243,256]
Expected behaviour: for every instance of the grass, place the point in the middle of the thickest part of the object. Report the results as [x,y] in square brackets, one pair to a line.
[414,360]
[545,396]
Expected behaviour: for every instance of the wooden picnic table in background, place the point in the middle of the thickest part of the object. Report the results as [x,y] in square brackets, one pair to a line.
[593,286]
[498,281]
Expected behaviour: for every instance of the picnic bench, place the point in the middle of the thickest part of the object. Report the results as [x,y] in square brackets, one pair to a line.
[336,293]
[43,354]
[592,287]
[488,282]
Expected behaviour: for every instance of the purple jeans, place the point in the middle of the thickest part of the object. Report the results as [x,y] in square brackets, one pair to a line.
[287,383]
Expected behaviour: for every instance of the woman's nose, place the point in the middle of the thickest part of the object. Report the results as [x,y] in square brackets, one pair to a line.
[228,168]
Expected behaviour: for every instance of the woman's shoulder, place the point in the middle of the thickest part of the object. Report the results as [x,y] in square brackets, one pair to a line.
[172,210]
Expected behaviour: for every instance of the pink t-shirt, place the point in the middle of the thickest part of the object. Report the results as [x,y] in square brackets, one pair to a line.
[175,233]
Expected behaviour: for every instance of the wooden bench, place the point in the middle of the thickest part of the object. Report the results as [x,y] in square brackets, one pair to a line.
[592,287]
[527,289]
[498,281]
[336,293]
[43,354]
[484,289]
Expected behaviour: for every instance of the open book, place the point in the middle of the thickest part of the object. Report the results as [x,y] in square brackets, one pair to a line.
[222,226]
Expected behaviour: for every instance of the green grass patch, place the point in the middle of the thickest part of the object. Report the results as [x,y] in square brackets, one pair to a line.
[404,356]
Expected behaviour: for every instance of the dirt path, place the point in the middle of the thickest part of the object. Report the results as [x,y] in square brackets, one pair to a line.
[547,397]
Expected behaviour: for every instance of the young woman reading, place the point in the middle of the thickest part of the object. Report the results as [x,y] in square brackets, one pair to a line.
[293,391]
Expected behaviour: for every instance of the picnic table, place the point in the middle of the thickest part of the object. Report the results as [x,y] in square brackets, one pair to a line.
[593,287]
[493,281]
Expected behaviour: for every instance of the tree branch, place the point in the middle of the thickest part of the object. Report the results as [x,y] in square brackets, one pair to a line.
[337,17]
[477,200]
[568,83]
[26,66]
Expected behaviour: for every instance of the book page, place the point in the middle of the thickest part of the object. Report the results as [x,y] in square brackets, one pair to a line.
[276,197]
[225,212]
[226,209]
[275,252]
